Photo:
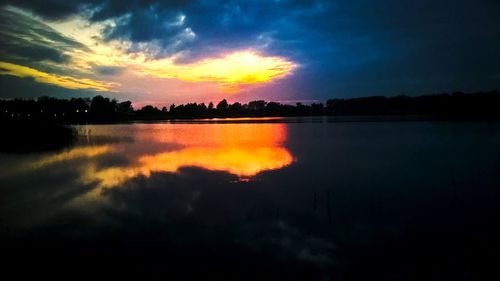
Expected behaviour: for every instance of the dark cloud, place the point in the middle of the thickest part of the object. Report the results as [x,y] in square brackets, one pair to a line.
[28,41]
[35,53]
[15,87]
[50,9]
[218,25]
[108,70]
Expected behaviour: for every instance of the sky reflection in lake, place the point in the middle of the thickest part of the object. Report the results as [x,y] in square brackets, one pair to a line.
[243,150]
[109,155]
[266,201]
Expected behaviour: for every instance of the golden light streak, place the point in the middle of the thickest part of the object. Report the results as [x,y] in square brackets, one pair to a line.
[67,82]
[77,152]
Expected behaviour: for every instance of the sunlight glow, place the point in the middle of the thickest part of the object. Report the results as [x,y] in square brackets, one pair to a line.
[231,71]
[77,152]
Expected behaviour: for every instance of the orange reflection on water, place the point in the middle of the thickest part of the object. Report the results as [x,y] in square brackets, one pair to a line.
[244,162]
[240,149]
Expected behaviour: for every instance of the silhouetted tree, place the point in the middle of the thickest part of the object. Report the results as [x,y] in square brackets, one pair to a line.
[210,109]
[257,105]
[149,111]
[202,109]
[317,109]
[235,108]
[101,106]
[124,107]
[222,106]
[330,106]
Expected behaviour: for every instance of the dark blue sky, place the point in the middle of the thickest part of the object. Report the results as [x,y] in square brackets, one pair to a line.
[341,48]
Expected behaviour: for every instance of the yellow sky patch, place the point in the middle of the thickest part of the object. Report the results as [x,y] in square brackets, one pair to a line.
[231,71]
[67,82]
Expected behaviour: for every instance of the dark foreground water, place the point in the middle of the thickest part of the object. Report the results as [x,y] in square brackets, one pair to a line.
[257,201]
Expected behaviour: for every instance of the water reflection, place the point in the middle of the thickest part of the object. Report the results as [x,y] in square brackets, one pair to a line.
[243,150]
[360,193]
[74,153]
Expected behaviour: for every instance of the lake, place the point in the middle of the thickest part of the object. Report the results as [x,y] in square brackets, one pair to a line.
[257,199]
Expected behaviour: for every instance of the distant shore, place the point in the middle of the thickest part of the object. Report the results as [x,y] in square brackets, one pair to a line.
[455,106]
[296,119]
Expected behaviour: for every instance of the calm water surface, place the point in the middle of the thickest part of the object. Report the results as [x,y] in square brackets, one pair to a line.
[258,201]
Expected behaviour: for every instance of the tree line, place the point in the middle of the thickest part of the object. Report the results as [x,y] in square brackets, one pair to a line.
[102,109]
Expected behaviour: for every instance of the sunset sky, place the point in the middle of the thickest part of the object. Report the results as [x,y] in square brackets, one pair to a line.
[163,52]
